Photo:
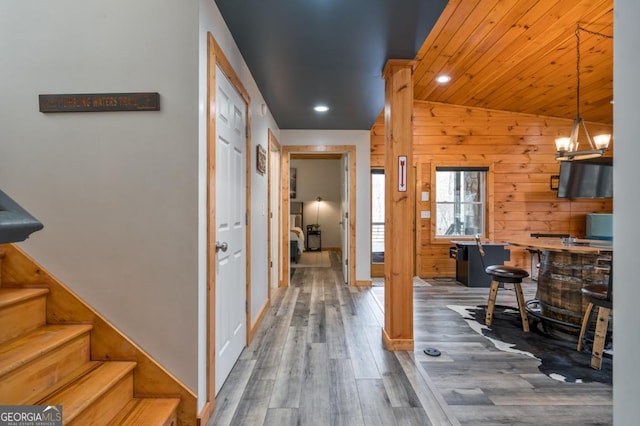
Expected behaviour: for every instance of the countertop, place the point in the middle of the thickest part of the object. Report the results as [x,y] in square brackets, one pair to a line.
[580,246]
[473,243]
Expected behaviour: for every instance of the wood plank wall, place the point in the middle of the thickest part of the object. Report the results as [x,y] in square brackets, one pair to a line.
[519,148]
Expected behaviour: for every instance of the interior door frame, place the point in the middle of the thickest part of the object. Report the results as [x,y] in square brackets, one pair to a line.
[318,149]
[215,56]
[345,194]
[274,261]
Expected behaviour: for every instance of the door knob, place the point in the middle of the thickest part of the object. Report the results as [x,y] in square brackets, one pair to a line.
[221,246]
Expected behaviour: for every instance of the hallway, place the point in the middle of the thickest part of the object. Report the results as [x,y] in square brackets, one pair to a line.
[318,360]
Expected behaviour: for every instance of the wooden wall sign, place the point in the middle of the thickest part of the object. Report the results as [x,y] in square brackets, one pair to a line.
[402,173]
[100,102]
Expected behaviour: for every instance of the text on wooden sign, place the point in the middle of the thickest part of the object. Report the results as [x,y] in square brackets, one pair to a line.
[100,102]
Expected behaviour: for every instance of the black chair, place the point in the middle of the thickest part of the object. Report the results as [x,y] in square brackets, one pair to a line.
[501,274]
[600,296]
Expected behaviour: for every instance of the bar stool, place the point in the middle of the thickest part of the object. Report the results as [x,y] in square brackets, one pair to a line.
[600,296]
[501,274]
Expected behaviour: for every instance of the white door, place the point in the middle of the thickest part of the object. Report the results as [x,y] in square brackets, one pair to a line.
[344,229]
[230,188]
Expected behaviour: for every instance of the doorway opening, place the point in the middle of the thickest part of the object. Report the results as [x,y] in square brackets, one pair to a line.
[337,212]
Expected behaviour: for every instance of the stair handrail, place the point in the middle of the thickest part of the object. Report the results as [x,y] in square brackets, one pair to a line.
[16,224]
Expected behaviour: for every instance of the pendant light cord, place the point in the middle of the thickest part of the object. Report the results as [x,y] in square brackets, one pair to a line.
[578,29]
[578,72]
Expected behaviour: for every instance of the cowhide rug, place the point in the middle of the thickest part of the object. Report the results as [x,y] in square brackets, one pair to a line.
[558,357]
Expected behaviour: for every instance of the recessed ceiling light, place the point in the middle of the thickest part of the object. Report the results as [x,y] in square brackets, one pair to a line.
[321,108]
[443,78]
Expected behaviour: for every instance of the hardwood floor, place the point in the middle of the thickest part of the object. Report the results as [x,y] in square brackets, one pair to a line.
[318,360]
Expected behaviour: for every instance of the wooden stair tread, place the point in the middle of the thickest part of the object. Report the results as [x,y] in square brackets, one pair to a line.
[80,394]
[49,375]
[147,411]
[74,375]
[10,296]
[21,350]
[21,311]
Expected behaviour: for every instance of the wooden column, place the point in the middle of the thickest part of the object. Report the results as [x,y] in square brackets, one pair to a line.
[397,334]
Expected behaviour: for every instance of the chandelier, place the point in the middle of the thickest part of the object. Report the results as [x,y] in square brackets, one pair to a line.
[567,147]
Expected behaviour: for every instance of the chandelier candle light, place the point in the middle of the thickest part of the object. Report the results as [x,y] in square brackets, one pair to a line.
[567,147]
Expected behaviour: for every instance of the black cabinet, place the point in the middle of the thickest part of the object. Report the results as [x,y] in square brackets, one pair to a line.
[314,239]
[469,269]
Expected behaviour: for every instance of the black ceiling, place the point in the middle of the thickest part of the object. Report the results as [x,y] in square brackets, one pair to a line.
[307,52]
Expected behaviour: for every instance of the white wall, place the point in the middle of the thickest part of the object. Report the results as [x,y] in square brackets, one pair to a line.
[211,21]
[626,203]
[321,178]
[117,191]
[361,140]
[122,195]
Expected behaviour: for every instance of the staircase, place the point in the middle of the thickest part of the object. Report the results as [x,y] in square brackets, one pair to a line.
[45,362]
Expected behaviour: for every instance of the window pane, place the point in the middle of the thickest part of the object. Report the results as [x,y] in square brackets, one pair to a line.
[460,202]
[471,182]
[445,186]
[473,223]
[377,196]
[377,216]
[445,220]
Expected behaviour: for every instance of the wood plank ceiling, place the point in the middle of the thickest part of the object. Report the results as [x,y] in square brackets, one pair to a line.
[520,55]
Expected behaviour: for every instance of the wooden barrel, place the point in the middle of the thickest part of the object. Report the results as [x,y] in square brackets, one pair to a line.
[560,281]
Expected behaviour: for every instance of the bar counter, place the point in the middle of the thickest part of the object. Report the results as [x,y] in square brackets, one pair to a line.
[564,270]
[596,247]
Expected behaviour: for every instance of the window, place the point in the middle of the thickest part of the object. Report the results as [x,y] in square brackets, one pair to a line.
[377,216]
[460,201]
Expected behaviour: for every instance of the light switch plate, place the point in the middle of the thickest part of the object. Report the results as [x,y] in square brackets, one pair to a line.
[425,196]
[425,214]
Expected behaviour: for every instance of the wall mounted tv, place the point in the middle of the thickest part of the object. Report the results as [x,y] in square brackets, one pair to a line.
[591,178]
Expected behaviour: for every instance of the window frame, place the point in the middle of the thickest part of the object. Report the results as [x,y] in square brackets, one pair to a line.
[489,201]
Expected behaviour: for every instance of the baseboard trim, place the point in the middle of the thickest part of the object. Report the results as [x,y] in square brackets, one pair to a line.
[396,344]
[363,283]
[258,321]
[206,413]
